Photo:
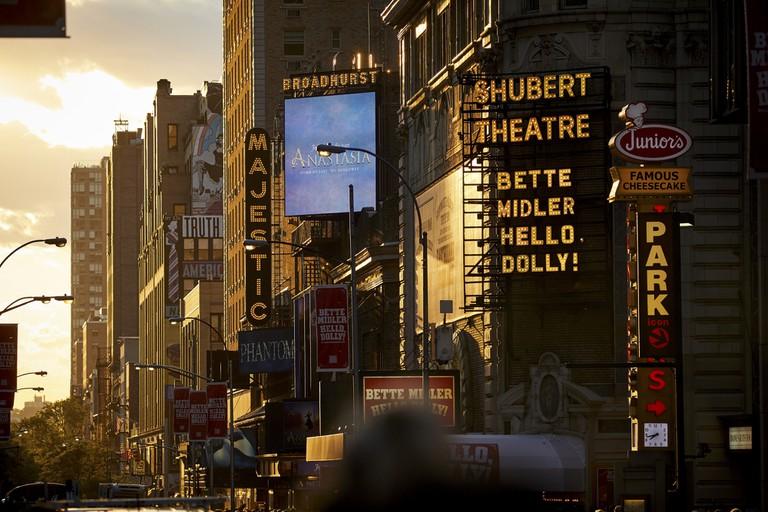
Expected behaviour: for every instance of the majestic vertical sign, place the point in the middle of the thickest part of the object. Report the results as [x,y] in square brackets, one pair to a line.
[757,82]
[217,410]
[658,286]
[198,415]
[9,338]
[331,318]
[180,410]
[258,218]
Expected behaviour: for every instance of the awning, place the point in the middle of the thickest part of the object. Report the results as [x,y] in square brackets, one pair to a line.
[325,448]
[537,462]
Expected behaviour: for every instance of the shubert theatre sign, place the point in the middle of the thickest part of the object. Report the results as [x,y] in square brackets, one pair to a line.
[532,128]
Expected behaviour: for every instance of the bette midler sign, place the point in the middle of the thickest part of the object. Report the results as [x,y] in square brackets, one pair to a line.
[384,392]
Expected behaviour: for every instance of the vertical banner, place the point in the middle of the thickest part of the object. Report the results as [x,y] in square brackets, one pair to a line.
[658,286]
[198,415]
[258,218]
[9,340]
[299,317]
[180,410]
[217,410]
[756,12]
[331,317]
[172,263]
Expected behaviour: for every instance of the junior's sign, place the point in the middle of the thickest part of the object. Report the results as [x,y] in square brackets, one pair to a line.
[633,183]
[642,142]
[266,350]
[385,392]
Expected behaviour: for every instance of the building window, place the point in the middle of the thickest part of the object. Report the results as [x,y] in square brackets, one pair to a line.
[179,209]
[335,39]
[728,64]
[573,4]
[293,43]
[173,136]
[218,245]
[189,249]
[440,43]
[531,5]
[171,169]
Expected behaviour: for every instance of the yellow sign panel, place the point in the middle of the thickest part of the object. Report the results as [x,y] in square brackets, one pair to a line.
[632,183]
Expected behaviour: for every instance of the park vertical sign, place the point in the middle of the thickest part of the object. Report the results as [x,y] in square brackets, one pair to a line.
[258,219]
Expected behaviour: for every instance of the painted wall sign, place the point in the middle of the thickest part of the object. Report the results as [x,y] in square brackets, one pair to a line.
[202,226]
[258,218]
[658,286]
[633,183]
[384,392]
[172,265]
[266,350]
[331,319]
[757,83]
[642,142]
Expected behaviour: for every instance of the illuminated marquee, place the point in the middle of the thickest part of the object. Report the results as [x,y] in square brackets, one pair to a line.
[536,207]
[258,196]
[317,82]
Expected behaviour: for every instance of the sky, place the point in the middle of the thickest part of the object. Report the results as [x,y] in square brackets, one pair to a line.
[58,102]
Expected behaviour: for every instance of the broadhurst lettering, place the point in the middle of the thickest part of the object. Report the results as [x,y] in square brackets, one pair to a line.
[331,80]
[264,351]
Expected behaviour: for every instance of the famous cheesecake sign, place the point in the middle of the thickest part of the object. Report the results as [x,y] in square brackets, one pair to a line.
[641,142]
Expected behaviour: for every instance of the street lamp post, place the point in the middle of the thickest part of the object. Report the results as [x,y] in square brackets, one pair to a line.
[231,383]
[36,298]
[328,149]
[57,241]
[41,373]
[38,389]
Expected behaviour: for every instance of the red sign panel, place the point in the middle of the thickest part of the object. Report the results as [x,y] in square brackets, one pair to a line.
[5,424]
[383,393]
[217,410]
[198,415]
[180,410]
[658,286]
[9,337]
[651,143]
[331,319]
[656,408]
[757,82]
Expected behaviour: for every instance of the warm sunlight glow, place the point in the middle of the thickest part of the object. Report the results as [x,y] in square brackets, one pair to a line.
[89,102]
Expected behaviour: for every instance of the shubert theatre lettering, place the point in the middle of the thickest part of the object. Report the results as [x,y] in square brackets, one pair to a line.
[536,207]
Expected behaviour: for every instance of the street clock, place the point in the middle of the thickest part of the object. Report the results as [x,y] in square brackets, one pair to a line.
[656,435]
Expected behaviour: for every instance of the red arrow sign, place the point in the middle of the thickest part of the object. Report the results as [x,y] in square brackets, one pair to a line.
[656,407]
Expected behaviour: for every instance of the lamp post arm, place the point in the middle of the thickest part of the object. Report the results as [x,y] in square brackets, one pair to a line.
[19,247]
[11,306]
[399,176]
[176,369]
[218,333]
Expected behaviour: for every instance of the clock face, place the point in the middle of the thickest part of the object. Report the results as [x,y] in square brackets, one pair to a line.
[656,435]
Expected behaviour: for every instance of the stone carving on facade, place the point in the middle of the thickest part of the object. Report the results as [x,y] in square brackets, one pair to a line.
[696,46]
[595,40]
[652,48]
[549,49]
[550,402]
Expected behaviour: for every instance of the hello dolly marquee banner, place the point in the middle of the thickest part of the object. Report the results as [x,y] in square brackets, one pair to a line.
[538,139]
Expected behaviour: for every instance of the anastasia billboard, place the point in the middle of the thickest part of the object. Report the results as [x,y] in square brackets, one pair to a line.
[319,185]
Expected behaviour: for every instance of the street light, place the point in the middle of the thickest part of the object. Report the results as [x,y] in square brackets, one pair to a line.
[329,149]
[58,242]
[41,373]
[38,389]
[177,320]
[36,298]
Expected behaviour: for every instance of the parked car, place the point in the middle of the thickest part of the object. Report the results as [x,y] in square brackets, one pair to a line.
[23,496]
[118,490]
